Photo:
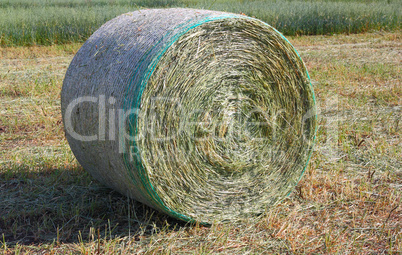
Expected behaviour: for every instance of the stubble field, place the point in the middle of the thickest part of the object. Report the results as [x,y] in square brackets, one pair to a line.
[348,201]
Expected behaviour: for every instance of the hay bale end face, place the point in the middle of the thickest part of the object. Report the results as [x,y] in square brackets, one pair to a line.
[206,116]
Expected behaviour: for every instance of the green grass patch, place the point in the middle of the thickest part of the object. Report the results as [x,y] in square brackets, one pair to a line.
[42,22]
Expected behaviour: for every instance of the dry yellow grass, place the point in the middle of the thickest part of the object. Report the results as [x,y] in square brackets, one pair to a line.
[348,202]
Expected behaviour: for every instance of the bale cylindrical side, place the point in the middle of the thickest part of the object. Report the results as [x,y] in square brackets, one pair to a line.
[204,115]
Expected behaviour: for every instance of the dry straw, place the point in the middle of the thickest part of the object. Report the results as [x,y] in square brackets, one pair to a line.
[210,116]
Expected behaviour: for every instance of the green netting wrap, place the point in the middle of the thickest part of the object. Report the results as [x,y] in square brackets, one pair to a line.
[206,116]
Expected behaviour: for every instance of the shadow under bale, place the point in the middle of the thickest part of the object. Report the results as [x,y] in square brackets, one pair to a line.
[64,205]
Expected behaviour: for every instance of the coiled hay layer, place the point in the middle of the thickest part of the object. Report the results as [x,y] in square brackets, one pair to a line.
[207,116]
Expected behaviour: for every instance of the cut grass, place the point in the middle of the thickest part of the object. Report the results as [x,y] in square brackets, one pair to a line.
[349,200]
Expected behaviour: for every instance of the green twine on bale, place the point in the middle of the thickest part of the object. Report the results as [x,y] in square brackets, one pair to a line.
[225,113]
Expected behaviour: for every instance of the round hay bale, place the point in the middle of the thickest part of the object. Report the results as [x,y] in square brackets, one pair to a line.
[206,116]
